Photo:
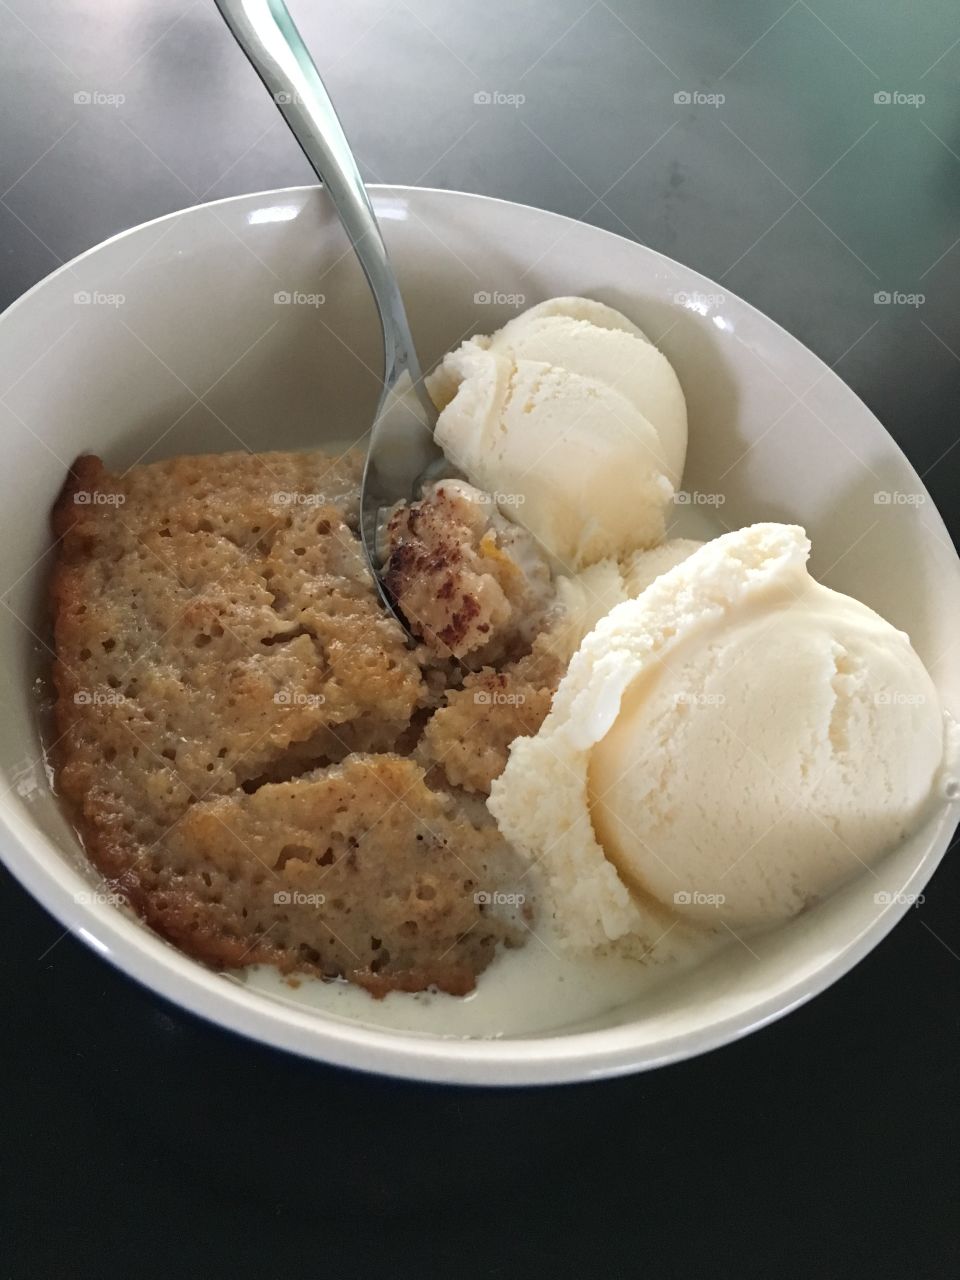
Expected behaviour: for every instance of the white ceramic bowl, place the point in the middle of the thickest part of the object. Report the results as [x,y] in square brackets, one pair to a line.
[771,428]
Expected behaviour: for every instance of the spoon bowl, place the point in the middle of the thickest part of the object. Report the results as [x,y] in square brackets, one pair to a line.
[401,443]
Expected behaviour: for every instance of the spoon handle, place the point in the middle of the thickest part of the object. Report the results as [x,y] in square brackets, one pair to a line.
[266,33]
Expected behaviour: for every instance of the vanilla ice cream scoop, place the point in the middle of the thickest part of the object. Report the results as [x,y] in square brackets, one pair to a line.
[574,421]
[595,341]
[729,746]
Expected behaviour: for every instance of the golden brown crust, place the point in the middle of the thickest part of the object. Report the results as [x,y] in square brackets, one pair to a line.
[221,660]
[377,875]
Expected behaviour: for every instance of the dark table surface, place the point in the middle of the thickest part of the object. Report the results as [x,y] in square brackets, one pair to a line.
[138,1140]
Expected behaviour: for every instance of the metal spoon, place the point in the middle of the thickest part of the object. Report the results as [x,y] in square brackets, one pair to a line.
[401,444]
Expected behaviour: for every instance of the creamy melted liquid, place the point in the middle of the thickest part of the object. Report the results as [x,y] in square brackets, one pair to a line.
[535,989]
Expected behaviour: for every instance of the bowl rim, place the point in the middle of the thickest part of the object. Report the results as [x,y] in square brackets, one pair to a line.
[552,1058]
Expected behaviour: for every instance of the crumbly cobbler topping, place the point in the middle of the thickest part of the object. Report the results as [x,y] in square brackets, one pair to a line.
[255,753]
